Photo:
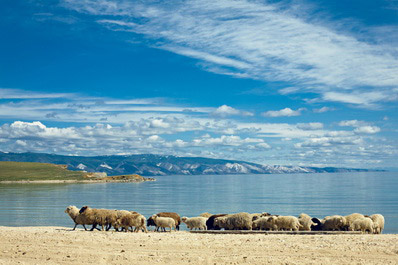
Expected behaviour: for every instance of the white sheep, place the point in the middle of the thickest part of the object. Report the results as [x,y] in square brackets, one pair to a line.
[195,222]
[164,222]
[306,222]
[352,217]
[284,223]
[378,220]
[363,225]
[263,224]
[136,220]
[335,222]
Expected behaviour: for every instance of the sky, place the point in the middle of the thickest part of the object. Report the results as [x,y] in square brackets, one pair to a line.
[302,83]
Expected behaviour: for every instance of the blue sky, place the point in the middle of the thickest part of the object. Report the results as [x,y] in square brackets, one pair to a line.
[273,82]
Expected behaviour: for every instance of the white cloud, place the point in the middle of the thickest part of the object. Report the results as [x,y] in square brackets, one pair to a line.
[364,99]
[323,109]
[353,123]
[367,129]
[232,140]
[260,40]
[329,141]
[7,93]
[310,126]
[225,110]
[286,112]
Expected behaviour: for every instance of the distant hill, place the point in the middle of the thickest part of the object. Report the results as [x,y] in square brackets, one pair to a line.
[18,171]
[158,165]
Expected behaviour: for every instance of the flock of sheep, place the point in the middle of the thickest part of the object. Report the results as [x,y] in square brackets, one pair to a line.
[133,221]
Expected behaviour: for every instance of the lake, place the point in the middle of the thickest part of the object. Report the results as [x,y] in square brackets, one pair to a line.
[287,194]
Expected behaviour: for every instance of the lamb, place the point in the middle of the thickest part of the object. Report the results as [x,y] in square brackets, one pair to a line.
[195,222]
[238,221]
[173,215]
[262,224]
[306,222]
[351,218]
[378,219]
[364,224]
[210,223]
[335,222]
[284,223]
[164,222]
[133,219]
[73,213]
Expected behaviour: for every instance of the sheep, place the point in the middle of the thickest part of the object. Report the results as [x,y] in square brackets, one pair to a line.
[210,222]
[363,224]
[262,224]
[195,222]
[284,223]
[255,216]
[317,224]
[173,215]
[103,217]
[265,214]
[238,221]
[114,216]
[89,216]
[335,222]
[73,213]
[150,222]
[351,218]
[164,222]
[306,222]
[378,219]
[206,215]
[133,219]
[221,222]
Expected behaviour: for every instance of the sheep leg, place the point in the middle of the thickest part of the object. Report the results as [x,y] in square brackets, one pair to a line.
[75,226]
[83,226]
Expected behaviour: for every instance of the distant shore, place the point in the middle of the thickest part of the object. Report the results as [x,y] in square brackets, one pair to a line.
[114,179]
[59,245]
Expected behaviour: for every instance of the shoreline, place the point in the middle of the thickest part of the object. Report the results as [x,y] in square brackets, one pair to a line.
[58,245]
[73,181]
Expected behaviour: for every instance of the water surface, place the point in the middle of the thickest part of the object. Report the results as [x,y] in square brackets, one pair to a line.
[286,194]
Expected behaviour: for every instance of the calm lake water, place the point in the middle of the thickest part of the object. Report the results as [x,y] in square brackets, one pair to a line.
[287,194]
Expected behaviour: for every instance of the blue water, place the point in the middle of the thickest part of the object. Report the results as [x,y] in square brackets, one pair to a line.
[287,194]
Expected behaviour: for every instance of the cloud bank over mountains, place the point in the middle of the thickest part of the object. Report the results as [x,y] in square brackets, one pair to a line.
[154,125]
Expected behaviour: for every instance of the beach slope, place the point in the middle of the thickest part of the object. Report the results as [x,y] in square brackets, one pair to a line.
[59,245]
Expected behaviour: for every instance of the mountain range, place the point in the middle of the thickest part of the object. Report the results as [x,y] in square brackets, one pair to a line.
[160,165]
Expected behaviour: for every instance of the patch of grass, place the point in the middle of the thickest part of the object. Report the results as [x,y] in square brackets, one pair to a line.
[15,171]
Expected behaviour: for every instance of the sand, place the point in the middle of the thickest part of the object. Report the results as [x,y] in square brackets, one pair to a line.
[60,245]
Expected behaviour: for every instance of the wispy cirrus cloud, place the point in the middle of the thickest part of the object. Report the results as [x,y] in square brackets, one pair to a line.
[260,40]
[9,93]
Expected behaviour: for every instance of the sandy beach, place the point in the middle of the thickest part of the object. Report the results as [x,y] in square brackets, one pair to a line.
[60,245]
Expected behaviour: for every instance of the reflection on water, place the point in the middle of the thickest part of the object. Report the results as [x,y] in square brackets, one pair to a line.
[316,194]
